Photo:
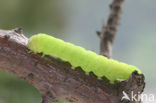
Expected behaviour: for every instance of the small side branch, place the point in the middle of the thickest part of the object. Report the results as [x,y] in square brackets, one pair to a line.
[109,30]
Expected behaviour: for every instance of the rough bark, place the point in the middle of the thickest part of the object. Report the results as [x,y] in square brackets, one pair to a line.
[55,79]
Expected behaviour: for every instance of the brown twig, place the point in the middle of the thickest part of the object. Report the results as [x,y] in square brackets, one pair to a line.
[108,32]
[55,79]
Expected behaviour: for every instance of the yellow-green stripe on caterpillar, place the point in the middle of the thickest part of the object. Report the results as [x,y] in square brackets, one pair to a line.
[79,57]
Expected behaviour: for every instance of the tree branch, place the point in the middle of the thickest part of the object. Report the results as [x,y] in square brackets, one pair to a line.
[55,79]
[108,32]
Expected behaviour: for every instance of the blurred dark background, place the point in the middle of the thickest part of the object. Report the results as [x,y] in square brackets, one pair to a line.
[76,21]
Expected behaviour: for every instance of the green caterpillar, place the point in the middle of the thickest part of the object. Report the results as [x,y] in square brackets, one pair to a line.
[79,57]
